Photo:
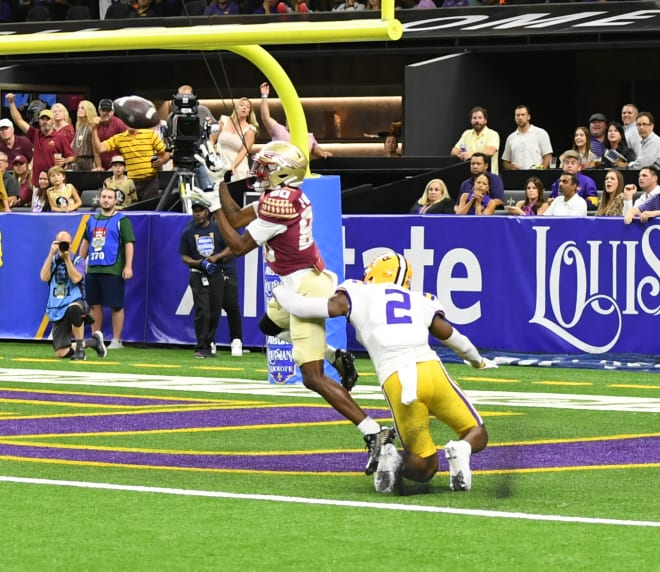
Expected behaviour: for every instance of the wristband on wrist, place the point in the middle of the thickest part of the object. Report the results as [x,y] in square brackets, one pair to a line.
[264,96]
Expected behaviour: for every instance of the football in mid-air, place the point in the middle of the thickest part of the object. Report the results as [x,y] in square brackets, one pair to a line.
[136,112]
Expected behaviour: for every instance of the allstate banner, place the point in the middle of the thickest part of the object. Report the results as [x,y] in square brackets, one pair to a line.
[529,284]
[522,284]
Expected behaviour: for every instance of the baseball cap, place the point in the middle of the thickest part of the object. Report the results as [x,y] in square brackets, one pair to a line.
[572,154]
[117,159]
[6,123]
[106,105]
[19,158]
[198,203]
[597,117]
[46,113]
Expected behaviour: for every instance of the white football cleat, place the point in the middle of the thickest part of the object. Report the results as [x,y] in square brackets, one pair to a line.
[236,348]
[390,467]
[458,455]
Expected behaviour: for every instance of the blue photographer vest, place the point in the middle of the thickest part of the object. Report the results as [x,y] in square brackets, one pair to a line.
[61,290]
[104,240]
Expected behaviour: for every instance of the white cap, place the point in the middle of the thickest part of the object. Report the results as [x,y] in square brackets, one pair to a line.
[6,123]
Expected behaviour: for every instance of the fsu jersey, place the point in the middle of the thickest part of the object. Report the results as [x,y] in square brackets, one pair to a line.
[284,228]
[392,323]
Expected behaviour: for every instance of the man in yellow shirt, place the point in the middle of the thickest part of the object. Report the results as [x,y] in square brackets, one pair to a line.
[479,139]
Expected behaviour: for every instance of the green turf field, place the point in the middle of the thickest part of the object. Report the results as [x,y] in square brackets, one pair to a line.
[152,460]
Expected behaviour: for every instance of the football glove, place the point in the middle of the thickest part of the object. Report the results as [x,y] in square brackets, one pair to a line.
[485,364]
[209,267]
[200,196]
[208,158]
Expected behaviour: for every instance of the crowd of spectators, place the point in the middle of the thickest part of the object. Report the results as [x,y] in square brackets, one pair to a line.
[60,10]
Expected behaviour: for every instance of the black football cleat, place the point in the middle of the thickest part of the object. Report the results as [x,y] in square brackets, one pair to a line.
[345,365]
[375,443]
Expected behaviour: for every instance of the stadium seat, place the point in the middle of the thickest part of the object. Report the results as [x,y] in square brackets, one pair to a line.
[118,11]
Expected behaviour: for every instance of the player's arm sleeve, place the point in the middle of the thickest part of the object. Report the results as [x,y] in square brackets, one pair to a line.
[464,348]
[301,306]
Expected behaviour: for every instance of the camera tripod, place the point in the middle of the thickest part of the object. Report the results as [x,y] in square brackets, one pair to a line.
[182,181]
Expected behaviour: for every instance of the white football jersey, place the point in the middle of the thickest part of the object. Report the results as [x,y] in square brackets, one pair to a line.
[392,323]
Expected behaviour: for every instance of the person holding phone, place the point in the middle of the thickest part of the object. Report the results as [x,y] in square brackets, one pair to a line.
[66,307]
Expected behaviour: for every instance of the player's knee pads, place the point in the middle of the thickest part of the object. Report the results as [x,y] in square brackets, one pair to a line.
[75,315]
[268,327]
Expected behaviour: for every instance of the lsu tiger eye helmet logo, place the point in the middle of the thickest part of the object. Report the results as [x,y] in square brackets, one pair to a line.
[389,268]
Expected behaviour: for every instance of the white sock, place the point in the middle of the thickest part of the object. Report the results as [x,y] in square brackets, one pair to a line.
[330,353]
[368,426]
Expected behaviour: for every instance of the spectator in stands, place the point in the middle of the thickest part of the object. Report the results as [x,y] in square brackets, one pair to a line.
[391,146]
[62,196]
[648,184]
[145,9]
[647,210]
[480,138]
[62,122]
[629,119]
[586,186]
[349,5]
[597,127]
[87,158]
[108,126]
[534,202]
[23,177]
[4,198]
[528,147]
[373,5]
[418,4]
[570,203]
[268,7]
[582,144]
[138,147]
[616,141]
[479,166]
[650,142]
[434,200]
[279,132]
[236,135]
[478,202]
[125,188]
[8,180]
[222,8]
[13,144]
[50,148]
[611,203]
[40,194]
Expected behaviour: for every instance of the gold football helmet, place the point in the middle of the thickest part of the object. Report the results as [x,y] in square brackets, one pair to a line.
[390,267]
[278,164]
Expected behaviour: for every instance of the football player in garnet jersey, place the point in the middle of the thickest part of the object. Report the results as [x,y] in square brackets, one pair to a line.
[393,324]
[281,222]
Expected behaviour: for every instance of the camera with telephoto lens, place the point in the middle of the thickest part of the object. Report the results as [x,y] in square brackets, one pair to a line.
[64,246]
[185,130]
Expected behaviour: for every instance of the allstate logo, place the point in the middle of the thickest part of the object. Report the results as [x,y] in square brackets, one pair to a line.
[583,292]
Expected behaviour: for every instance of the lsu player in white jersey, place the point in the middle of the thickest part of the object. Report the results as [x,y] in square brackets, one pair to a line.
[393,323]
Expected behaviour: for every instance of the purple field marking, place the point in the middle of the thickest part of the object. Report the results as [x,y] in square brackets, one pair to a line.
[634,451]
[47,396]
[642,450]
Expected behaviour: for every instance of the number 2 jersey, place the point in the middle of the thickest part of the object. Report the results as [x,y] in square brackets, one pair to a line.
[284,227]
[392,323]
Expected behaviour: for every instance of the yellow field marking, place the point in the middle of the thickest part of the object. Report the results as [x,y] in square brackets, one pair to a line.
[561,383]
[632,386]
[59,360]
[489,379]
[156,365]
[129,396]
[499,413]
[441,474]
[217,368]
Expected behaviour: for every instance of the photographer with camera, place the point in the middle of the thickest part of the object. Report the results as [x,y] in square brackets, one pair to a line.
[203,250]
[66,308]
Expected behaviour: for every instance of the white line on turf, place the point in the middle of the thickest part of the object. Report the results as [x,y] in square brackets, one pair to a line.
[371,392]
[332,502]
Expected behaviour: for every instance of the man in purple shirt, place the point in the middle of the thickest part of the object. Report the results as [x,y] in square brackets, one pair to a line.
[479,166]
[647,210]
[586,185]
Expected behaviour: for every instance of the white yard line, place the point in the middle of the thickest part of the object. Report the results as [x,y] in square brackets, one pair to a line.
[332,502]
[252,387]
